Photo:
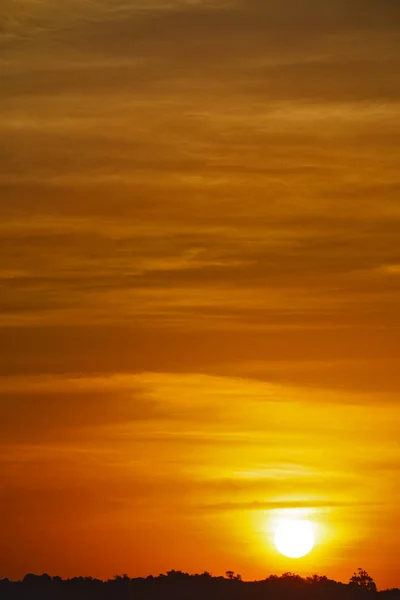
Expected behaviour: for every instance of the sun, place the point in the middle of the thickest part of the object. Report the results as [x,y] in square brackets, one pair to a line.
[294,538]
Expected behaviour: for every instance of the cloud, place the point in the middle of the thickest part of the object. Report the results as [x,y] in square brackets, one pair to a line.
[263,49]
[198,287]
[47,409]
[274,505]
[117,456]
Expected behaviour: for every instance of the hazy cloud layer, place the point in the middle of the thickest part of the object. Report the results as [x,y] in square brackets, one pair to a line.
[126,455]
[199,280]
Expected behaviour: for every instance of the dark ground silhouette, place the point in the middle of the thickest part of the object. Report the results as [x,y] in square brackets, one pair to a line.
[176,585]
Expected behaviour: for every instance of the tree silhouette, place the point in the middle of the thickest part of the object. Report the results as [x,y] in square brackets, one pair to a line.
[363,580]
[178,585]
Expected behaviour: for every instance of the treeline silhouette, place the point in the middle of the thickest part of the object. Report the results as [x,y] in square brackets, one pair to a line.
[176,585]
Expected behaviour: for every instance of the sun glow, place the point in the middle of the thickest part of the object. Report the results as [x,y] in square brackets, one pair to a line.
[294,538]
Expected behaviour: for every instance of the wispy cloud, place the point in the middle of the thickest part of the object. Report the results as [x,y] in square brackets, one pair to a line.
[199,282]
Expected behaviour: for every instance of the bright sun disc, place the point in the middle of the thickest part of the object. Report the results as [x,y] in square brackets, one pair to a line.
[294,538]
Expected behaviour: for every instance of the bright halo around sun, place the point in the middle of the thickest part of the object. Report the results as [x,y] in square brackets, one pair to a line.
[294,538]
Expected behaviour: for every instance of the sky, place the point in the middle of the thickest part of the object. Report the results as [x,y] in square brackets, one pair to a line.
[199,285]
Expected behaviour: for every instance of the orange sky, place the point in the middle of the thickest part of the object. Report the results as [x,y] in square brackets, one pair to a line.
[199,285]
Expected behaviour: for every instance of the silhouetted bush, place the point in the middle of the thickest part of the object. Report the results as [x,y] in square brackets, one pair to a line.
[176,585]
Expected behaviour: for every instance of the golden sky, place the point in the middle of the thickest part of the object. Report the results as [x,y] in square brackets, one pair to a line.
[199,285]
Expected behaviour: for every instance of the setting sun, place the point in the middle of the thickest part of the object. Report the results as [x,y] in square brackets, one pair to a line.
[294,538]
